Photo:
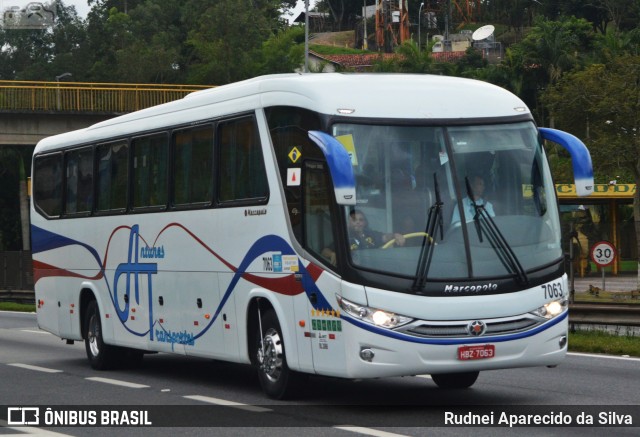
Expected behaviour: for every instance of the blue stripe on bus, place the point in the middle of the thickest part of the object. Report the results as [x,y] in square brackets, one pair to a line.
[43,240]
[580,157]
[338,159]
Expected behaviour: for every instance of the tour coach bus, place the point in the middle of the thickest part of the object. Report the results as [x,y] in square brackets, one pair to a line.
[350,225]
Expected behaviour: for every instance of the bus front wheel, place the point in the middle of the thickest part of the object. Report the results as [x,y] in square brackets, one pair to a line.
[101,356]
[455,380]
[276,379]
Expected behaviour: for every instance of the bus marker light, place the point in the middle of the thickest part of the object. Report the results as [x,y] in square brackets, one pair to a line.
[207,316]
[332,336]
[133,317]
[302,323]
[161,320]
[227,326]
[195,323]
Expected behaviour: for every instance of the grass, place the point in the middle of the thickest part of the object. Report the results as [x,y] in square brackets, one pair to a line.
[335,50]
[625,297]
[595,342]
[12,306]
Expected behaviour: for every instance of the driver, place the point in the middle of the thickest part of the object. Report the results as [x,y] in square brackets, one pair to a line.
[362,237]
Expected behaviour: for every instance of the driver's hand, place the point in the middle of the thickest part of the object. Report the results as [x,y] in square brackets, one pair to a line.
[399,239]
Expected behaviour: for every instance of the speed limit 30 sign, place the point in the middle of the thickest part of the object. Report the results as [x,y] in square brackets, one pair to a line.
[603,253]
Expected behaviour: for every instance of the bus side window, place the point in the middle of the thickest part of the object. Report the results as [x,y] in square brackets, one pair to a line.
[47,188]
[79,181]
[242,174]
[112,176]
[193,166]
[150,156]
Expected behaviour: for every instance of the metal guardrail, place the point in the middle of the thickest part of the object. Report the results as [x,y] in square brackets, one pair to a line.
[41,96]
[605,314]
[18,296]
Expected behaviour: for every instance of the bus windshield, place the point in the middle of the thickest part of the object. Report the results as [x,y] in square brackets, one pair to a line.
[450,202]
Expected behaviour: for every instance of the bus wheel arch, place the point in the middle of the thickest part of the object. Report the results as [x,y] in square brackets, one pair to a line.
[267,351]
[101,355]
[86,296]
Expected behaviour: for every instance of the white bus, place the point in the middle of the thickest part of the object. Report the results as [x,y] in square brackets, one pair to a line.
[225,225]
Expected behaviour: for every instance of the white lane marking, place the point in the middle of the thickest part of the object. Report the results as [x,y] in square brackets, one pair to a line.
[35,332]
[368,431]
[226,403]
[116,382]
[36,368]
[29,430]
[424,376]
[611,357]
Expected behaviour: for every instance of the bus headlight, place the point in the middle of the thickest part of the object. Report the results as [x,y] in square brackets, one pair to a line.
[375,316]
[551,309]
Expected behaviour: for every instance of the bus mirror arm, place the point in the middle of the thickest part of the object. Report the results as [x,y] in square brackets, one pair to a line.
[340,168]
[580,158]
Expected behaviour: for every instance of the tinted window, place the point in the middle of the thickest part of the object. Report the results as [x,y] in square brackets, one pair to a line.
[242,174]
[47,189]
[150,156]
[193,166]
[112,176]
[79,181]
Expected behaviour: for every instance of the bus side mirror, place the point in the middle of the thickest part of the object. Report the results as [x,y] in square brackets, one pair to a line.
[339,162]
[580,158]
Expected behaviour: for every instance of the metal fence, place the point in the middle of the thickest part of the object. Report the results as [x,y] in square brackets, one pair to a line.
[16,270]
[86,96]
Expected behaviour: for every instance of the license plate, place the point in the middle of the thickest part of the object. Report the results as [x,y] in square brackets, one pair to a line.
[480,352]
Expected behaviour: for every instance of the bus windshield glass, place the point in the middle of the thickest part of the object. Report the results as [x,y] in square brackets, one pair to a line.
[450,202]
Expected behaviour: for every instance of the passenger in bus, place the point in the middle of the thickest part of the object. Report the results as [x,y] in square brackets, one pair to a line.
[477,188]
[362,237]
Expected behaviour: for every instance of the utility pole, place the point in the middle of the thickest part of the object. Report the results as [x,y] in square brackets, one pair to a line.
[306,36]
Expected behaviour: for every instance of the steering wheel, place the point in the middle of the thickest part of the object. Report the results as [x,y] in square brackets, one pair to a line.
[390,243]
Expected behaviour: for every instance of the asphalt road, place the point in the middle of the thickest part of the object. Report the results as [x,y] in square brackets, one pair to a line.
[204,396]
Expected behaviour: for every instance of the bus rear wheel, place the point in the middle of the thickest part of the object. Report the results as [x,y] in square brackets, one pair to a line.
[455,380]
[101,356]
[276,379]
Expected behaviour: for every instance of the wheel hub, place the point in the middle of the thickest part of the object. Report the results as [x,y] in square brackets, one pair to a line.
[270,355]
[92,334]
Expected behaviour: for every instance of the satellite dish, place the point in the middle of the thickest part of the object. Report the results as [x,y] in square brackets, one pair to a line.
[483,32]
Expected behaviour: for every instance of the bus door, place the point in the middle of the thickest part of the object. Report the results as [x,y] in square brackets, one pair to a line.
[320,211]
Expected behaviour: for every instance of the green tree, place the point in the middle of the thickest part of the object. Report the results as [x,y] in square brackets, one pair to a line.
[283,52]
[550,49]
[226,41]
[602,105]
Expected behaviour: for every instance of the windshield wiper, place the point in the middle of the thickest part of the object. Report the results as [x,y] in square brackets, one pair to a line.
[434,222]
[485,223]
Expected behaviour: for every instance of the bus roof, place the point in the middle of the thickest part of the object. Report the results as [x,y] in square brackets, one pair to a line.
[387,96]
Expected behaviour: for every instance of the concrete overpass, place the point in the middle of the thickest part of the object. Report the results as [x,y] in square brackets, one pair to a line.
[30,111]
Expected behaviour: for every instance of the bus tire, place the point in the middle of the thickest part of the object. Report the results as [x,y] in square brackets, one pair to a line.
[101,356]
[455,380]
[276,379]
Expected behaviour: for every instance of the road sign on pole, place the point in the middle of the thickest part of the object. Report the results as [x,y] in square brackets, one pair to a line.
[603,254]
